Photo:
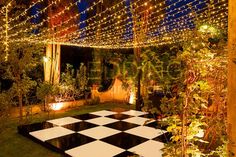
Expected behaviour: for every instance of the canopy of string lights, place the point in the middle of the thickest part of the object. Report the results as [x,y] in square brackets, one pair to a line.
[106,24]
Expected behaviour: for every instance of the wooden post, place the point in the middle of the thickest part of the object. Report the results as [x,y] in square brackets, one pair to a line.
[231,101]
[139,38]
[47,63]
[52,66]
[53,55]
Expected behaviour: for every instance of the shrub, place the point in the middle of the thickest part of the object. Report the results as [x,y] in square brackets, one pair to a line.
[93,101]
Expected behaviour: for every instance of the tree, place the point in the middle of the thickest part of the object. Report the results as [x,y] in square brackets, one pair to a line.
[199,106]
[140,29]
[82,79]
[22,59]
[44,92]
[67,86]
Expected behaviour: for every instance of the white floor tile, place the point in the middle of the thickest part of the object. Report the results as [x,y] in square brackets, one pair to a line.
[146,132]
[148,149]
[99,132]
[134,113]
[101,120]
[103,113]
[95,149]
[138,120]
[64,121]
[51,133]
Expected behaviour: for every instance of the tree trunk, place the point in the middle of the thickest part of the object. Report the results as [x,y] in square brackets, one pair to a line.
[20,99]
[184,142]
[231,101]
[139,100]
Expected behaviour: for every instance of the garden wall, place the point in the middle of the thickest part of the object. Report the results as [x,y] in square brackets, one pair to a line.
[35,109]
[115,93]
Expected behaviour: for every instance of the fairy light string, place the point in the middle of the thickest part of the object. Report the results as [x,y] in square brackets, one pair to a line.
[6,43]
[106,32]
[89,24]
[164,23]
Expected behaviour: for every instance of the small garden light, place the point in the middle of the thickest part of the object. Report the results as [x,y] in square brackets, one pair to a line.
[45,59]
[56,106]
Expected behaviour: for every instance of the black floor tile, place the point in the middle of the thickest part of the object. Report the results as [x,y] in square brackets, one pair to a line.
[79,126]
[86,116]
[157,125]
[165,138]
[69,141]
[148,116]
[124,140]
[121,125]
[25,129]
[125,154]
[119,116]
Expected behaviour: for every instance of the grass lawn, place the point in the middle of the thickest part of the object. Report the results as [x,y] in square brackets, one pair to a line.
[13,144]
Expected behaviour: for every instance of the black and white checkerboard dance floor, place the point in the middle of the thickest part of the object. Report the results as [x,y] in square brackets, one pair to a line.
[100,134]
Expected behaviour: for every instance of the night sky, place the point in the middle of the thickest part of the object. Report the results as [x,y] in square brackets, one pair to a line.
[76,55]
